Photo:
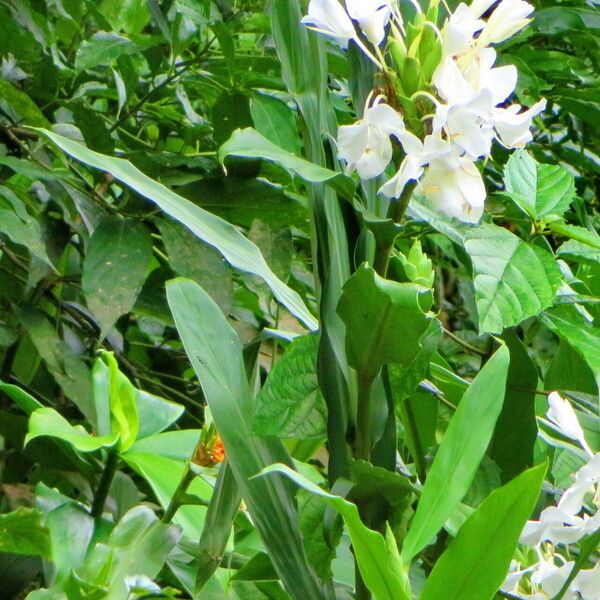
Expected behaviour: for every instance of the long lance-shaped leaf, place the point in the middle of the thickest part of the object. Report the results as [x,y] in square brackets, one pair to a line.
[237,249]
[215,352]
[377,556]
[476,562]
[460,453]
[218,522]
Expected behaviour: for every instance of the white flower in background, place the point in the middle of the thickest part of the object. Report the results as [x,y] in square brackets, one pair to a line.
[562,416]
[329,17]
[454,186]
[587,583]
[10,71]
[512,580]
[556,526]
[549,578]
[372,17]
[366,145]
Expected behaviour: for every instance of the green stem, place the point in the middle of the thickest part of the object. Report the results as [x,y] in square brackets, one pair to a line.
[410,423]
[396,212]
[175,503]
[362,442]
[110,468]
[397,208]
[362,451]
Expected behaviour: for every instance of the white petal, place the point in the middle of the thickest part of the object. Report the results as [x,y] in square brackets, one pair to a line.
[509,17]
[513,127]
[385,118]
[352,141]
[478,7]
[372,16]
[376,157]
[501,81]
[410,170]
[450,83]
[329,18]
[460,29]
[588,583]
[562,415]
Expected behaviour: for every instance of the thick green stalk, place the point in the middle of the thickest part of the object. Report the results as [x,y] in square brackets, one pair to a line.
[396,212]
[362,451]
[362,441]
[176,498]
[110,468]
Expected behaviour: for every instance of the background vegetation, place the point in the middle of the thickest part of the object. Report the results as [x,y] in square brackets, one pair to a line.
[86,329]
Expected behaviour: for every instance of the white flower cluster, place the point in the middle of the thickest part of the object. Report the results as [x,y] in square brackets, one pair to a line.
[562,524]
[468,94]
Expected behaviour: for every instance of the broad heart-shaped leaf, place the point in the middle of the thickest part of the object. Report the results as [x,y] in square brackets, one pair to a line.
[248,143]
[138,545]
[115,268]
[384,321]
[47,422]
[71,529]
[582,252]
[569,324]
[142,413]
[102,49]
[215,352]
[475,563]
[275,120]
[513,280]
[290,404]
[538,189]
[376,555]
[227,239]
[67,368]
[190,257]
[460,453]
[155,413]
[22,532]
[24,232]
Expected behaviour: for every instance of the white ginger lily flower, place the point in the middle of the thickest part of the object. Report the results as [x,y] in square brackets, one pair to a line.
[466,125]
[329,18]
[513,127]
[366,145]
[508,18]
[458,81]
[454,186]
[458,32]
[372,17]
[556,526]
[561,414]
